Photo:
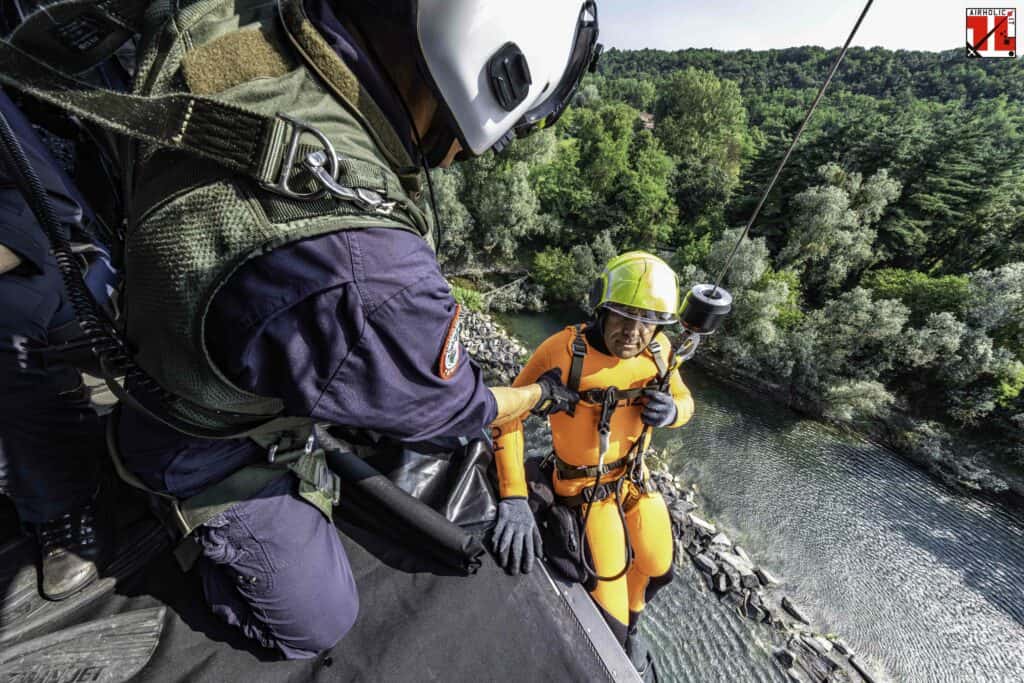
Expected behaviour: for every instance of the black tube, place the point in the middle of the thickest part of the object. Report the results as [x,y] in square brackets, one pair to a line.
[377,503]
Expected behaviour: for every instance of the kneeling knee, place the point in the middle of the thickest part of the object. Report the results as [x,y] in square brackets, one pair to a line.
[321,627]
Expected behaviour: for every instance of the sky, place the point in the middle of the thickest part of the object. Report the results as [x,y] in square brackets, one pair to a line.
[763,24]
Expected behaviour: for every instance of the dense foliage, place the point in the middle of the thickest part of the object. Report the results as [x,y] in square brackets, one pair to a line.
[887,269]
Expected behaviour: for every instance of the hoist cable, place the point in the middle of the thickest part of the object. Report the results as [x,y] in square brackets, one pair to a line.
[792,146]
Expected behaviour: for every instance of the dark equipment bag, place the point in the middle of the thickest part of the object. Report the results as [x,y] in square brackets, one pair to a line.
[561,527]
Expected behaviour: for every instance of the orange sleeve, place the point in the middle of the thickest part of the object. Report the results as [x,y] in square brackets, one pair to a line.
[683,399]
[680,392]
[509,441]
[508,459]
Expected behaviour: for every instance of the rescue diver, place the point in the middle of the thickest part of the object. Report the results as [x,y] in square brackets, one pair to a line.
[262,307]
[624,553]
[51,439]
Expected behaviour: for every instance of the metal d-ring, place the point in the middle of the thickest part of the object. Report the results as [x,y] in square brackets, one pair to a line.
[365,199]
[281,186]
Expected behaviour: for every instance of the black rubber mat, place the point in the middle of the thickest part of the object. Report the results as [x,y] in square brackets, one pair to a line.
[418,621]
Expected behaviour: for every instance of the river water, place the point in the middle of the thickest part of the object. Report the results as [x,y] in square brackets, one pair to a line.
[926,584]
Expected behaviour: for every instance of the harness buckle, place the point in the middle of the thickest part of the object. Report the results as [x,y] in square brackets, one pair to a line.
[281,186]
[365,199]
[594,494]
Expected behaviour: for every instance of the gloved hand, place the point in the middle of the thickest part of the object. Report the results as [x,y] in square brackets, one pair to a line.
[555,397]
[516,538]
[660,410]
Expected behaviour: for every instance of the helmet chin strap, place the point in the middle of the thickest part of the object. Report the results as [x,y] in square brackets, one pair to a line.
[424,162]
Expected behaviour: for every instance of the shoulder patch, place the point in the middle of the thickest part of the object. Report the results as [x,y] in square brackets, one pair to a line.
[451,352]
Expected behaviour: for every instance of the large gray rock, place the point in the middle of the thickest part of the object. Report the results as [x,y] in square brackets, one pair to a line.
[785,657]
[821,646]
[859,668]
[795,676]
[705,564]
[788,605]
[766,577]
[732,599]
[739,568]
[721,542]
[680,508]
[687,534]
[704,528]
[752,608]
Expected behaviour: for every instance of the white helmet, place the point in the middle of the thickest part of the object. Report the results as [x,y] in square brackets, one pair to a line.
[505,68]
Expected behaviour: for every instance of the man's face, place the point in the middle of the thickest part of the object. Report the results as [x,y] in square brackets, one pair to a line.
[626,337]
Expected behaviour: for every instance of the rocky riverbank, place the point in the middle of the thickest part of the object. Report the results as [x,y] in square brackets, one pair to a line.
[727,573]
[732,577]
[499,354]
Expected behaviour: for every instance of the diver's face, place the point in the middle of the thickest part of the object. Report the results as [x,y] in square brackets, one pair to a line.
[626,337]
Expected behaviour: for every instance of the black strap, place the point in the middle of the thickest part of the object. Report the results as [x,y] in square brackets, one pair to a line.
[261,147]
[567,471]
[585,497]
[579,352]
[598,395]
[241,140]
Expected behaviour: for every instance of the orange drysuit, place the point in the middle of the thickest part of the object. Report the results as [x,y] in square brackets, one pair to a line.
[575,440]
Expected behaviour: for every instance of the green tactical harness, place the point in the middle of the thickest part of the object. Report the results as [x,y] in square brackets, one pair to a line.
[249,133]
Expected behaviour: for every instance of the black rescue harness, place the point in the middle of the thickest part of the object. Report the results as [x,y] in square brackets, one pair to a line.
[610,398]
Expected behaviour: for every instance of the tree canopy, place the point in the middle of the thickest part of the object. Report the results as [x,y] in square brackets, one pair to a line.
[887,268]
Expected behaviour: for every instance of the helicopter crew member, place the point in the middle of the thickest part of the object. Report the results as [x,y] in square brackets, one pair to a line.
[616,362]
[279,270]
[51,440]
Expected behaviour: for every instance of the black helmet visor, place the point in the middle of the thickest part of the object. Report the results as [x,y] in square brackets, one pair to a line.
[585,53]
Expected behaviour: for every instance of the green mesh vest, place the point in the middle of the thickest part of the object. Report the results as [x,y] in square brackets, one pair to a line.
[193,223]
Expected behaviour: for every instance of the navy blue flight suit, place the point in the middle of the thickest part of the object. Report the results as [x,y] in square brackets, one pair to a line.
[50,438]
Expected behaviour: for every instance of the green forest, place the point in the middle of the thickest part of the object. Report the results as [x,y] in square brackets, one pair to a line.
[883,282]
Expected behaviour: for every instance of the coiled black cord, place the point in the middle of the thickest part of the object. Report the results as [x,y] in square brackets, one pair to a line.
[97,329]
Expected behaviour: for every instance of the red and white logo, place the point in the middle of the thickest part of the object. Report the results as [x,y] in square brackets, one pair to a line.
[451,352]
[991,32]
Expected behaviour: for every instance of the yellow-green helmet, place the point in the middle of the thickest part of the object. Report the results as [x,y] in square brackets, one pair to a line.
[638,285]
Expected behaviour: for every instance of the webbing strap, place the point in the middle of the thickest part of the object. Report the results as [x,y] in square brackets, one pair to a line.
[579,352]
[567,471]
[233,489]
[598,395]
[318,486]
[241,140]
[265,149]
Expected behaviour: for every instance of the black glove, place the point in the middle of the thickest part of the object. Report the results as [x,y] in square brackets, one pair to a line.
[660,410]
[555,397]
[516,538]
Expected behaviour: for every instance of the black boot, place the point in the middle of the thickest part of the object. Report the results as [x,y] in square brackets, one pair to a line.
[74,550]
[640,655]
